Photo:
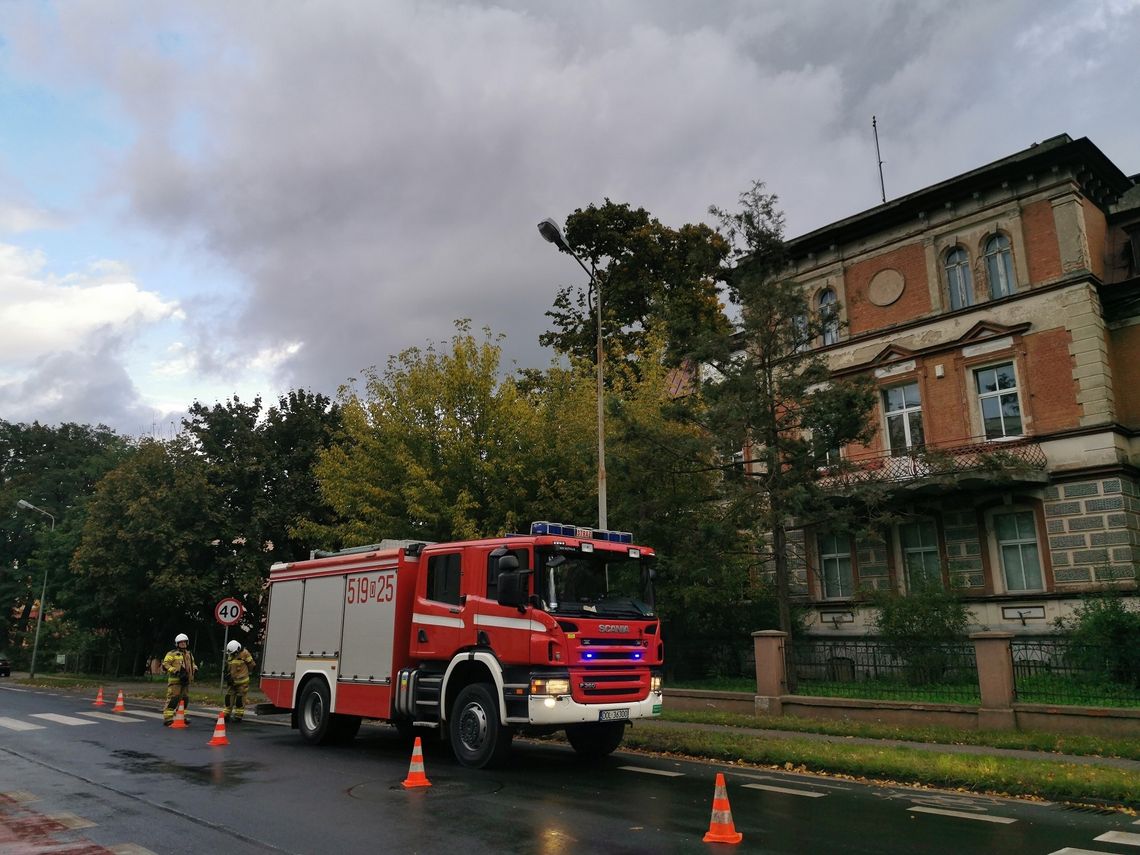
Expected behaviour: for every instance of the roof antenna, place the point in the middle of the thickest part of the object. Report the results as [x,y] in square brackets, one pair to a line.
[882,187]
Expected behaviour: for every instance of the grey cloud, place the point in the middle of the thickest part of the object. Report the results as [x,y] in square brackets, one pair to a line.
[374,171]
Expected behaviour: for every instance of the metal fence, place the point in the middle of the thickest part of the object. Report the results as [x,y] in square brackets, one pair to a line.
[867,668]
[1058,671]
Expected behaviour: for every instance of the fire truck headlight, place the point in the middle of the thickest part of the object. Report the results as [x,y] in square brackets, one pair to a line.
[655,682]
[550,686]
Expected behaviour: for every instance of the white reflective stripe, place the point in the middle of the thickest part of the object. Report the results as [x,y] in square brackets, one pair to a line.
[509,623]
[60,719]
[16,724]
[437,620]
[979,817]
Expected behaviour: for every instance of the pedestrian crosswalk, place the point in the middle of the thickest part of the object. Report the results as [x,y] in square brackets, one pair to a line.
[42,721]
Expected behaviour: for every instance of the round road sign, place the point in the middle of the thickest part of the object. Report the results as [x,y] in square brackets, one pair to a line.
[228,611]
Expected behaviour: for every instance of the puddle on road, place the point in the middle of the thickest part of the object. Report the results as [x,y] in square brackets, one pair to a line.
[217,773]
[373,791]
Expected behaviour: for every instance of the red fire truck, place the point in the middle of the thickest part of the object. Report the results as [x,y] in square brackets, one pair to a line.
[475,640]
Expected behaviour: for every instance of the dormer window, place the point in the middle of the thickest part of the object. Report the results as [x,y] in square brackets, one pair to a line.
[828,316]
[999,267]
[959,282]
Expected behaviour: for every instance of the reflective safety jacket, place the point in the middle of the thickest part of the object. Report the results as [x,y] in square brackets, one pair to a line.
[240,665]
[175,661]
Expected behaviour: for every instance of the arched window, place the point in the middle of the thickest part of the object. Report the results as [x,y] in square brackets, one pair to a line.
[829,316]
[958,279]
[999,267]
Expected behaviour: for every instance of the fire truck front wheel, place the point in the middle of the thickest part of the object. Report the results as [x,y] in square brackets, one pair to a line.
[313,716]
[477,737]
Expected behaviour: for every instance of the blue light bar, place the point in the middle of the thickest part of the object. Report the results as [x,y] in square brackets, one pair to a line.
[580,532]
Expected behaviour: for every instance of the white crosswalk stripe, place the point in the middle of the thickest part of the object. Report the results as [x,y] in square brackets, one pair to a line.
[643,770]
[61,719]
[961,814]
[119,717]
[16,724]
[1125,838]
[786,790]
[1069,850]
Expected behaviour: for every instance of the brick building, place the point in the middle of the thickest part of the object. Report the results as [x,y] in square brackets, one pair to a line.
[999,312]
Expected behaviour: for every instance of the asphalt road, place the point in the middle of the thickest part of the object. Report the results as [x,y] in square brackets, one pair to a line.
[81,779]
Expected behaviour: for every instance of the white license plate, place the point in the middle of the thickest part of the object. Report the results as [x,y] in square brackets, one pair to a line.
[613,715]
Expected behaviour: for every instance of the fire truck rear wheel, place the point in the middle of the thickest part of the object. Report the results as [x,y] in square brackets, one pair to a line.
[313,716]
[477,737]
[595,740]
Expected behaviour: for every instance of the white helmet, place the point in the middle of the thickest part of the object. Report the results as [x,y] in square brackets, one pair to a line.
[181,637]
[233,647]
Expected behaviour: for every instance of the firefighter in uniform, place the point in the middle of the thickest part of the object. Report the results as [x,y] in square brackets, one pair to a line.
[239,665]
[179,668]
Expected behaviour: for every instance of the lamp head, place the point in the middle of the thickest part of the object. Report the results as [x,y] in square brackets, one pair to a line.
[22,504]
[550,231]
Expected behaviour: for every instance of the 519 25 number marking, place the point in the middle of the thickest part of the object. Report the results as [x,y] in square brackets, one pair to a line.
[363,589]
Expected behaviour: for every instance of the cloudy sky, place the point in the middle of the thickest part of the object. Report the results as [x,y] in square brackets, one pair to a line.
[215,198]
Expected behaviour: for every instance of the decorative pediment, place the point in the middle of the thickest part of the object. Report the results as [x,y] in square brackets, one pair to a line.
[983,330]
[892,353]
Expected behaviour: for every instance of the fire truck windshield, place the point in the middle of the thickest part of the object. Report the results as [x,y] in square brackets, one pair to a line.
[600,583]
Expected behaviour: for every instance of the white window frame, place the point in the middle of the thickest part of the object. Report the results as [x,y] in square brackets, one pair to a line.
[904,413]
[1021,544]
[998,257]
[827,303]
[836,560]
[959,280]
[924,550]
[980,397]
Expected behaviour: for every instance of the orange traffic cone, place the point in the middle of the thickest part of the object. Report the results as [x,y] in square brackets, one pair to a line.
[118,707]
[99,702]
[219,737]
[721,829]
[416,776]
[179,716]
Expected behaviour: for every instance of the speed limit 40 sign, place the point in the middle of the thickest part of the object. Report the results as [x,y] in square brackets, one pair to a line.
[228,611]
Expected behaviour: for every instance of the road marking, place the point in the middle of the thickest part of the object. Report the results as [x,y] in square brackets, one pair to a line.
[16,724]
[1125,838]
[70,821]
[147,713]
[807,793]
[1069,850]
[646,771]
[60,719]
[785,780]
[130,849]
[981,817]
[125,719]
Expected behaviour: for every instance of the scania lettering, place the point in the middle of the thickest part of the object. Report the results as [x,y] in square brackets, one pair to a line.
[474,641]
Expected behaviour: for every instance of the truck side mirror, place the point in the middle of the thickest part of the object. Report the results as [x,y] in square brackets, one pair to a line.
[513,588]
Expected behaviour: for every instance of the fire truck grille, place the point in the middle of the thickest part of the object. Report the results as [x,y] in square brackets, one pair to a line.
[609,685]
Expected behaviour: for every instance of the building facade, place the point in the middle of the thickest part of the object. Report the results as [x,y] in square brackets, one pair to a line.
[999,313]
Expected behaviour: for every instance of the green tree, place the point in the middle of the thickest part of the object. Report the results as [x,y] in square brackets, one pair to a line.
[651,276]
[260,464]
[55,468]
[770,393]
[146,566]
[440,446]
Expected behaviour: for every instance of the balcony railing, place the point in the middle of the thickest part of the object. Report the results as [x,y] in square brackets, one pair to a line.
[1016,459]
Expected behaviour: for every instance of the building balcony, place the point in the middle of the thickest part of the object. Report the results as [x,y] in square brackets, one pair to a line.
[935,468]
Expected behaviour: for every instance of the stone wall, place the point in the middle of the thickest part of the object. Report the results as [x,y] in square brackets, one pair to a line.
[1094,531]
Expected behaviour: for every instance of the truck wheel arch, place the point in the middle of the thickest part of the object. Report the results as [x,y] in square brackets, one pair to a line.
[475,666]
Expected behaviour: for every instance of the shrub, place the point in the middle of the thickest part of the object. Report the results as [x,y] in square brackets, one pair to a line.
[1106,632]
[914,626]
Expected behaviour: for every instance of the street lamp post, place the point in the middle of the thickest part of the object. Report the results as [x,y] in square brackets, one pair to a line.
[550,231]
[43,592]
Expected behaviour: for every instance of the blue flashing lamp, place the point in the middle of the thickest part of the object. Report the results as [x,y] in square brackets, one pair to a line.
[580,532]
